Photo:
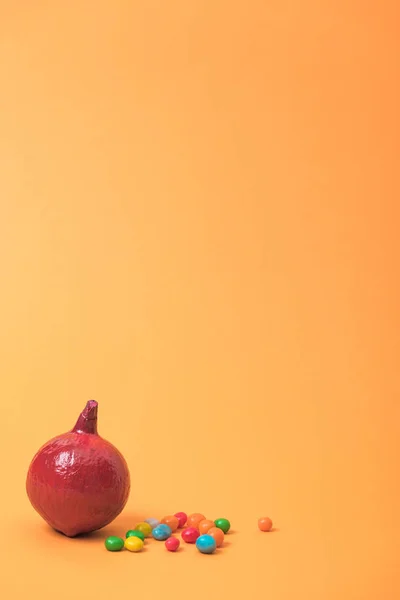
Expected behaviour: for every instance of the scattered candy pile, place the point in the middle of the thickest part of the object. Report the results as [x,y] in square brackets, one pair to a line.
[207,535]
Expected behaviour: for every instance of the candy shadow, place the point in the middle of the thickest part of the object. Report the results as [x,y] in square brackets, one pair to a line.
[178,551]
[144,549]
[217,552]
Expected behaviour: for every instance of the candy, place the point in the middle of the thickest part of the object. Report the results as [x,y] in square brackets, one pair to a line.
[182,518]
[162,532]
[190,535]
[194,519]
[134,544]
[114,543]
[171,521]
[172,544]
[145,528]
[217,534]
[265,524]
[223,524]
[206,544]
[135,533]
[152,522]
[205,525]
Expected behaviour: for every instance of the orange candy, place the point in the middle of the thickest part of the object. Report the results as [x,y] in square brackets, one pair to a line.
[217,534]
[171,521]
[205,525]
[265,524]
[194,520]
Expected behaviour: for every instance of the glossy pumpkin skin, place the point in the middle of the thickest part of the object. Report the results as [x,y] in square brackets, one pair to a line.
[78,482]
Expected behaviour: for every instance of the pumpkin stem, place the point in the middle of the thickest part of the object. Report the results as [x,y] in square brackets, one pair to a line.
[87,420]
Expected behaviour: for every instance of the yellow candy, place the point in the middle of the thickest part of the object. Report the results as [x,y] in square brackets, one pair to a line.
[134,544]
[145,528]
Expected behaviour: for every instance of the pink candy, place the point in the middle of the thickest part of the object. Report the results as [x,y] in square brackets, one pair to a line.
[190,535]
[172,544]
[182,518]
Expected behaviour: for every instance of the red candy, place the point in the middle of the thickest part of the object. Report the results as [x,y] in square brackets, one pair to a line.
[172,544]
[190,535]
[182,518]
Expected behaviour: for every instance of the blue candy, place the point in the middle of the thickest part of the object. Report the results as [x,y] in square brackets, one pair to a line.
[206,544]
[162,532]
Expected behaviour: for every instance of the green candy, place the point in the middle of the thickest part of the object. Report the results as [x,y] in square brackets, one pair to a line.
[114,543]
[222,524]
[135,533]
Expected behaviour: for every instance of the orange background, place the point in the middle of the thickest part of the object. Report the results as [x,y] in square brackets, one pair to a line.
[199,229]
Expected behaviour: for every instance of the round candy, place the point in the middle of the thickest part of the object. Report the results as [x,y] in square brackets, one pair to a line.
[135,533]
[182,518]
[190,535]
[205,525]
[194,519]
[134,544]
[172,544]
[152,522]
[162,532]
[223,524]
[217,534]
[114,543]
[265,524]
[206,544]
[171,521]
[145,528]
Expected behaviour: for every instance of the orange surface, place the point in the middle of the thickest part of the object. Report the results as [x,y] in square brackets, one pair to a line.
[200,230]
